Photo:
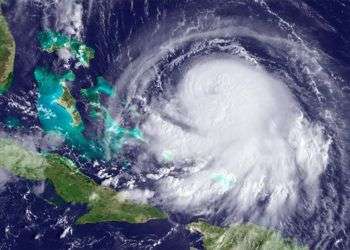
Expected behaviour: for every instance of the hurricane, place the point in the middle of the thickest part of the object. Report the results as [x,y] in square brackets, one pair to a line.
[241,115]
[233,111]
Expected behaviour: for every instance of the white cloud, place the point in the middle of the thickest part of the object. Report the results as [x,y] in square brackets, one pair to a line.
[5,177]
[137,195]
[243,140]
[69,15]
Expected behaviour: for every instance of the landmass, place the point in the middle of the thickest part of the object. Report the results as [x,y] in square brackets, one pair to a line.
[53,90]
[103,203]
[57,107]
[58,113]
[242,237]
[53,41]
[21,162]
[68,102]
[57,110]
[7,55]
[114,133]
[92,96]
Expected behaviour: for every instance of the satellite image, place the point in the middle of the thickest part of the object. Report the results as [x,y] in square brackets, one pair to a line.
[174,124]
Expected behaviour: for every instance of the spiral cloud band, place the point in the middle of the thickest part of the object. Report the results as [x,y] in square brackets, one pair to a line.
[234,112]
[242,138]
[236,116]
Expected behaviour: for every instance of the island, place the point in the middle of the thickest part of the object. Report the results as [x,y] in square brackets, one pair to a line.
[55,96]
[244,236]
[103,203]
[7,55]
[57,110]
[58,113]
[68,102]
[114,134]
[53,41]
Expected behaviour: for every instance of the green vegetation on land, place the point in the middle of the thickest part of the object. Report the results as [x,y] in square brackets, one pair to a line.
[53,90]
[242,237]
[7,55]
[58,113]
[52,41]
[103,203]
[68,102]
[20,161]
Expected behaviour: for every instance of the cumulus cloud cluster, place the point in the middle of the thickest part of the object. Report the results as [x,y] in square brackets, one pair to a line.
[70,16]
[242,142]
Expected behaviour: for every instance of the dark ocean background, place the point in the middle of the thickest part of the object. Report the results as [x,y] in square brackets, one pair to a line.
[28,221]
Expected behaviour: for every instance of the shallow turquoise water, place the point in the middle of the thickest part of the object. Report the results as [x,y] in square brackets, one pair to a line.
[56,118]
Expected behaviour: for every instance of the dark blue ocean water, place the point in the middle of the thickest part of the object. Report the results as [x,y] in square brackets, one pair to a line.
[28,221]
